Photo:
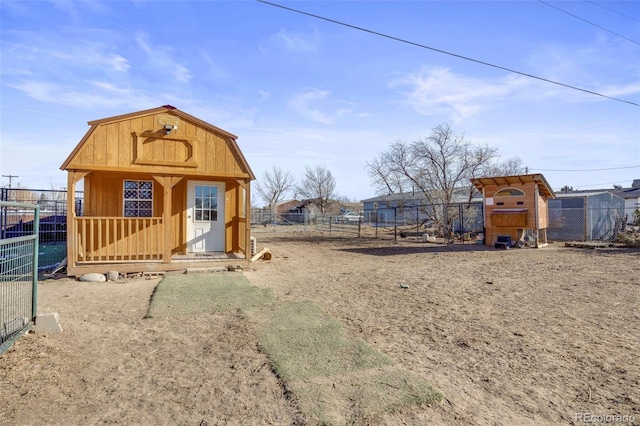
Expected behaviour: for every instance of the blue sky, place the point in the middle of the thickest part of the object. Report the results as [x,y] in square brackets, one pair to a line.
[301,91]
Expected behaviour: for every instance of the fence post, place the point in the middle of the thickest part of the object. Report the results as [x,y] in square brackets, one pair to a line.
[461,212]
[3,219]
[376,212]
[395,224]
[34,292]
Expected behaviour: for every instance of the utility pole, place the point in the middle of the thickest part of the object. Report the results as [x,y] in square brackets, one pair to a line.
[10,178]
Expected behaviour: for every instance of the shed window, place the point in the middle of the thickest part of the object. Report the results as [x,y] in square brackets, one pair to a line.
[509,192]
[138,198]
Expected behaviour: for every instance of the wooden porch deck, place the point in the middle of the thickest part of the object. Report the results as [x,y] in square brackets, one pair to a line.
[178,263]
[129,245]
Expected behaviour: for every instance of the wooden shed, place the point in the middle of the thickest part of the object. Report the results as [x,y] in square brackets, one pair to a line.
[162,189]
[515,208]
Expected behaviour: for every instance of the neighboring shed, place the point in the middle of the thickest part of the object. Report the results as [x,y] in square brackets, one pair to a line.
[161,188]
[586,216]
[515,207]
[631,200]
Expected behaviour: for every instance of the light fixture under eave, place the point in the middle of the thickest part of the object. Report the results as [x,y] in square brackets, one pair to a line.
[168,128]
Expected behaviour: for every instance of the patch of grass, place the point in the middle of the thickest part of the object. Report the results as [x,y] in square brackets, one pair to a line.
[335,377]
[303,341]
[359,396]
[189,294]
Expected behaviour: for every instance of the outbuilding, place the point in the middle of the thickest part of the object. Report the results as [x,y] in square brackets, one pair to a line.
[586,216]
[162,189]
[515,209]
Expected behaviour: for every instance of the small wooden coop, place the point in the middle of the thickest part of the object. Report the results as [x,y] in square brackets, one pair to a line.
[515,209]
[162,190]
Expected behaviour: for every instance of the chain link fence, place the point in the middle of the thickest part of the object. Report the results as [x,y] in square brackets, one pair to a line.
[457,223]
[18,278]
[460,222]
[591,224]
[52,228]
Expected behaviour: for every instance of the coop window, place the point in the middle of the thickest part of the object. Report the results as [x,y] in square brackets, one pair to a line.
[509,192]
[138,198]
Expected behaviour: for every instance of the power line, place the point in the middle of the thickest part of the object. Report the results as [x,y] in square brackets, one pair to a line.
[614,11]
[605,183]
[446,53]
[585,170]
[588,22]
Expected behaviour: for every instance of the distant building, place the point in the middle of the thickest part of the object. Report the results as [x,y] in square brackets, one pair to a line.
[414,208]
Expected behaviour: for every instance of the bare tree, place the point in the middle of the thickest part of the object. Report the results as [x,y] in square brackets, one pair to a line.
[274,186]
[318,187]
[510,167]
[439,167]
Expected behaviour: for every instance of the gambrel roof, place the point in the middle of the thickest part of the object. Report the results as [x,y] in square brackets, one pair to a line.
[159,140]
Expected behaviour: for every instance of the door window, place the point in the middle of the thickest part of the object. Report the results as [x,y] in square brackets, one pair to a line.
[206,203]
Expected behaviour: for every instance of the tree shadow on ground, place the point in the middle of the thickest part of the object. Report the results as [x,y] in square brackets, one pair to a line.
[399,249]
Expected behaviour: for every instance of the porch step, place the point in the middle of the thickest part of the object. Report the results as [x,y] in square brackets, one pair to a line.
[206,270]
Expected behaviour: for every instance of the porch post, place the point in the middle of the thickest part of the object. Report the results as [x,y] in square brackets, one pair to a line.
[247,220]
[72,235]
[166,220]
[73,177]
[167,183]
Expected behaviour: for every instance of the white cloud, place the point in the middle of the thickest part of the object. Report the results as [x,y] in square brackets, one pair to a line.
[296,42]
[95,94]
[263,95]
[601,65]
[35,54]
[302,104]
[92,55]
[437,90]
[316,105]
[161,59]
[622,90]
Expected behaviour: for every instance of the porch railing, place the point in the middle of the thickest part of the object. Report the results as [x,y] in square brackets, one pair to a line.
[115,239]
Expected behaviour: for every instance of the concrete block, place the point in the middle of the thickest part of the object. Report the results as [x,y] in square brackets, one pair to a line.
[48,323]
[113,276]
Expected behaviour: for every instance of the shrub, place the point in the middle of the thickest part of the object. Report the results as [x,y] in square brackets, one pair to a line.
[629,239]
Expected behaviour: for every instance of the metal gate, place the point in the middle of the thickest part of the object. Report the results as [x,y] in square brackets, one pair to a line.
[18,278]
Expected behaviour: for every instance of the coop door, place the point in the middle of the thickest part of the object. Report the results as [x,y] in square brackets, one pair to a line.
[205,216]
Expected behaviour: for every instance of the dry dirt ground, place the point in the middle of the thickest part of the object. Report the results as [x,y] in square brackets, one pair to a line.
[510,337]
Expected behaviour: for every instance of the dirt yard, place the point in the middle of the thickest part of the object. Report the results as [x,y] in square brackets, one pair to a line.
[521,336]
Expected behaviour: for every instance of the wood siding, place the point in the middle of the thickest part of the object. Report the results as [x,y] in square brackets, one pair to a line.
[510,215]
[136,147]
[509,219]
[188,150]
[104,193]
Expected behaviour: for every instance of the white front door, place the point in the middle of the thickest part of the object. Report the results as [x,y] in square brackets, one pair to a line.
[205,216]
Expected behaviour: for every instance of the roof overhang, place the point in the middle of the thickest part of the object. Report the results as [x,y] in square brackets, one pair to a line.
[516,180]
